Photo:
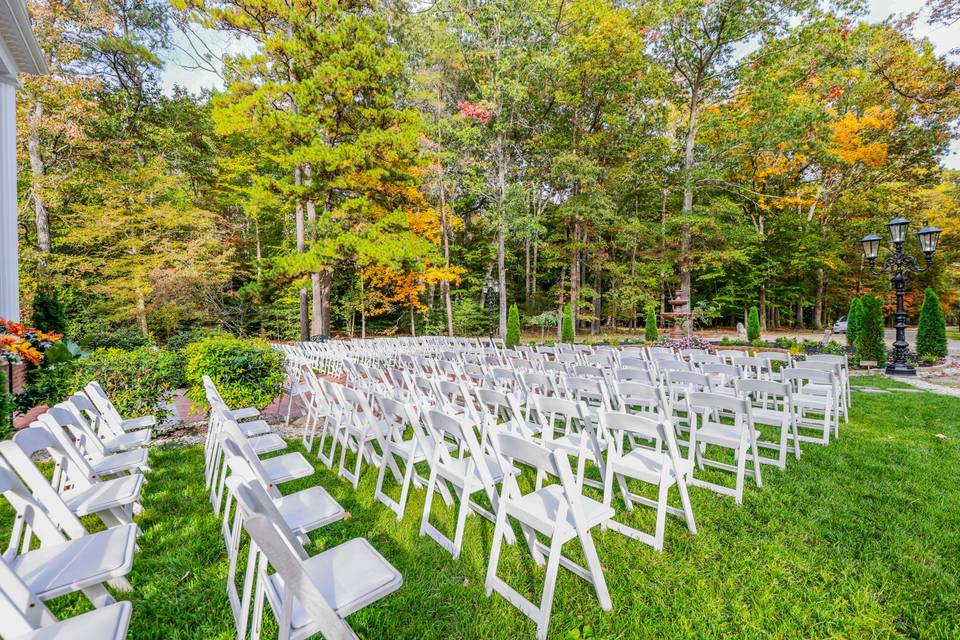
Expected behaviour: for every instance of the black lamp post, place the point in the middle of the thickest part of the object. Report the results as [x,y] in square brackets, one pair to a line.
[491,292]
[899,265]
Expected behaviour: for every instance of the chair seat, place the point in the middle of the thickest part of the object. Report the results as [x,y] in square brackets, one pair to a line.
[133,424]
[812,401]
[245,413]
[254,428]
[646,464]
[571,442]
[458,468]
[120,462]
[289,466]
[349,577]
[118,492]
[771,417]
[267,443]
[723,435]
[539,510]
[107,623]
[57,569]
[309,509]
[127,441]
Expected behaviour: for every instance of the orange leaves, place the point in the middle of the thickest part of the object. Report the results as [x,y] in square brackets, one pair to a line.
[851,139]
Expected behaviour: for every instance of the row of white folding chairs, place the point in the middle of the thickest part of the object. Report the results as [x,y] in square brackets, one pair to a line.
[433,428]
[306,595]
[94,474]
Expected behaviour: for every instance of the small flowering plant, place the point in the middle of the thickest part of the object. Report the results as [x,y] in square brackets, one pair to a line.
[684,342]
[20,343]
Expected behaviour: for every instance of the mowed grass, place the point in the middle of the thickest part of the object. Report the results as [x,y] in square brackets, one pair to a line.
[860,539]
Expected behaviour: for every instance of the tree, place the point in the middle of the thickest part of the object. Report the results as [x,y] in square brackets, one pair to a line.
[871,344]
[567,333]
[48,313]
[512,338]
[753,325]
[650,332]
[854,322]
[932,329]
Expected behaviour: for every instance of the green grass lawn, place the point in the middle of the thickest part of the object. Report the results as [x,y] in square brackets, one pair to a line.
[860,539]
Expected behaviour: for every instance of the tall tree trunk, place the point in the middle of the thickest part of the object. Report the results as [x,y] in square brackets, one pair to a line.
[575,276]
[363,308]
[536,259]
[301,242]
[141,312]
[597,303]
[326,280]
[445,235]
[689,164]
[526,271]
[316,308]
[501,232]
[763,307]
[256,232]
[799,315]
[818,307]
[413,323]
[37,170]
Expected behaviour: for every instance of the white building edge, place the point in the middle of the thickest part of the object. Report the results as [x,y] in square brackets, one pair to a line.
[19,53]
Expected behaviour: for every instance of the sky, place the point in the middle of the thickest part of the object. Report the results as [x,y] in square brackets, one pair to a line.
[180,71]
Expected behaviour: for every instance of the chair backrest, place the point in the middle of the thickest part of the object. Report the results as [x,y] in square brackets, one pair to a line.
[689,380]
[31,513]
[234,443]
[102,403]
[20,610]
[279,555]
[538,383]
[721,374]
[618,425]
[588,371]
[27,442]
[706,403]
[634,362]
[766,393]
[591,391]
[71,419]
[666,366]
[465,437]
[797,377]
[561,414]
[642,399]
[251,497]
[49,422]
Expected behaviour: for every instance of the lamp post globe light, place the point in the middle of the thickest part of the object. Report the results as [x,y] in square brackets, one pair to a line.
[899,265]
[491,293]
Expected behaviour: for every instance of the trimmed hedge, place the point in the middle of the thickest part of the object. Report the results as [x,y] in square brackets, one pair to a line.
[138,381]
[650,332]
[512,338]
[854,321]
[753,325]
[871,344]
[932,329]
[567,333]
[246,372]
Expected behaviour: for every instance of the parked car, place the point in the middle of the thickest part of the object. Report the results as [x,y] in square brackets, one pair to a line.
[840,326]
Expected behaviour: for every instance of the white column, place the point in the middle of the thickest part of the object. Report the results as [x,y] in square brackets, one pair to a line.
[9,259]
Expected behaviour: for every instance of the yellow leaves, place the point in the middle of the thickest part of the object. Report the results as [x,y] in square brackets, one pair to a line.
[851,134]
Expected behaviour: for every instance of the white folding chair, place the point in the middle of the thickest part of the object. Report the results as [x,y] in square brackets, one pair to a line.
[102,445]
[566,425]
[112,420]
[112,501]
[61,424]
[26,617]
[558,511]
[472,472]
[706,428]
[310,595]
[396,417]
[69,558]
[814,408]
[653,465]
[772,404]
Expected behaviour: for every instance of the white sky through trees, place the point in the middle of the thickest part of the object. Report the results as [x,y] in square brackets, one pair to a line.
[181,68]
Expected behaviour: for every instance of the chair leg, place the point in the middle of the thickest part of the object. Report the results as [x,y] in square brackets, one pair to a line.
[549,584]
[687,507]
[661,515]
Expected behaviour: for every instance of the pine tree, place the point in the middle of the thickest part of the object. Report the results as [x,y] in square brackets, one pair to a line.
[753,325]
[48,314]
[854,321]
[932,330]
[512,338]
[650,332]
[870,343]
[566,331]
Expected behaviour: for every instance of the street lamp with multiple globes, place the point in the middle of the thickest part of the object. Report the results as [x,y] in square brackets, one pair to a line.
[491,293]
[899,265]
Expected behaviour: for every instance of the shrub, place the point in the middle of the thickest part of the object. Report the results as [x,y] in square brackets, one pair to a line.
[650,326]
[753,325]
[246,372]
[48,313]
[854,321]
[126,338]
[138,381]
[49,385]
[566,330]
[182,339]
[870,343]
[6,404]
[512,338]
[932,329]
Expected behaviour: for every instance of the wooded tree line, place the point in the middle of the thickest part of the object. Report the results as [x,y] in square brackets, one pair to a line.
[370,163]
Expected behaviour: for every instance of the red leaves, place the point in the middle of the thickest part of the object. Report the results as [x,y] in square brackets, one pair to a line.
[478,111]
